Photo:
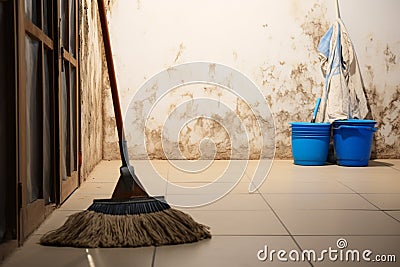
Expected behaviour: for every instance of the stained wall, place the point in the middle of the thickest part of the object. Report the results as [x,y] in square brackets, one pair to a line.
[91,86]
[273,43]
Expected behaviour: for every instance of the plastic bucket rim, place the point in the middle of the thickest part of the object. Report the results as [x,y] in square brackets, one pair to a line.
[355,121]
[318,124]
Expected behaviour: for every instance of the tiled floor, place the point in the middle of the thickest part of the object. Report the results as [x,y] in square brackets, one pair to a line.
[296,209]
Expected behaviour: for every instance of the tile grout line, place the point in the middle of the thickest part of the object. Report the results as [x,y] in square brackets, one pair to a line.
[321,235]
[394,168]
[284,226]
[390,165]
[153,260]
[379,209]
[388,214]
[359,194]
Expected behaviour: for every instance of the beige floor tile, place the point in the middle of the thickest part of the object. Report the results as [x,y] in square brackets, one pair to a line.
[54,221]
[234,251]
[244,202]
[396,164]
[366,173]
[384,185]
[309,200]
[298,186]
[195,164]
[196,188]
[317,201]
[338,222]
[394,214]
[262,166]
[154,183]
[373,173]
[393,163]
[160,167]
[96,188]
[191,200]
[104,257]
[379,245]
[220,189]
[388,177]
[259,222]
[384,201]
[246,166]
[242,187]
[34,254]
[105,171]
[80,202]
[217,171]
[287,170]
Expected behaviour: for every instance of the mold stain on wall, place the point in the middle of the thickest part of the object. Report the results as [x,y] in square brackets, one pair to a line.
[204,138]
[315,23]
[180,51]
[199,137]
[390,58]
[293,89]
[91,58]
[290,82]
[385,109]
[291,86]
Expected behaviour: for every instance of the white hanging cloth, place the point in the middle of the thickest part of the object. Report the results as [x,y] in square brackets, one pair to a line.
[343,97]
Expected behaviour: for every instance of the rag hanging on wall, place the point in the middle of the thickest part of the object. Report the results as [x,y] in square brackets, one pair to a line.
[343,96]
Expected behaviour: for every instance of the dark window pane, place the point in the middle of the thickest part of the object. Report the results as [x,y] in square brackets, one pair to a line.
[73,118]
[64,24]
[64,109]
[48,125]
[32,11]
[33,122]
[72,33]
[48,17]
[6,119]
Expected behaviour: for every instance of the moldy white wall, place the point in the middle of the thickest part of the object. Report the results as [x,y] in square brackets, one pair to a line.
[272,42]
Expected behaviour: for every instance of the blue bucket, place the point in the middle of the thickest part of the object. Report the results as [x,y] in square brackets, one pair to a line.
[310,143]
[352,140]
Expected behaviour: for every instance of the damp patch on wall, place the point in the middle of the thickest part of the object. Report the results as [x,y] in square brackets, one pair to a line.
[276,48]
[91,86]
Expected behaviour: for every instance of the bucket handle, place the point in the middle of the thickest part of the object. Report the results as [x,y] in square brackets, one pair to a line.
[365,128]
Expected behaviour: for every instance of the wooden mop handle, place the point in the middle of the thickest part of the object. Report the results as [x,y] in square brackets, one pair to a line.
[337,9]
[111,70]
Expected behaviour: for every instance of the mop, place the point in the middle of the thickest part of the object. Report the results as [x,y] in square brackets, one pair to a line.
[131,218]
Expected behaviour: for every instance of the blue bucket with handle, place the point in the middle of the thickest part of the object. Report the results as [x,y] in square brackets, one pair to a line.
[352,141]
[310,143]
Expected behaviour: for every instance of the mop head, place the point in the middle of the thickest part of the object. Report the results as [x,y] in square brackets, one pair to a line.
[134,223]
